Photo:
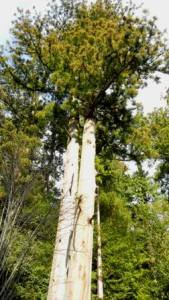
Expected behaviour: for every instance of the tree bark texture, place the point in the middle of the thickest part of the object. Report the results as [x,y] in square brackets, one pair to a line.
[80,262]
[58,275]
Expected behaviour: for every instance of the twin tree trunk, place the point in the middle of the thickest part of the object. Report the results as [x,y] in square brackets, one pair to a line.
[72,261]
[80,262]
[58,275]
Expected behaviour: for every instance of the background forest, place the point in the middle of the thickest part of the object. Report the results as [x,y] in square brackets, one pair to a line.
[54,65]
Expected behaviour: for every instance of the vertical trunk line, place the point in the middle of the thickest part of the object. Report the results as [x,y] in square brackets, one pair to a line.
[80,262]
[99,256]
[57,284]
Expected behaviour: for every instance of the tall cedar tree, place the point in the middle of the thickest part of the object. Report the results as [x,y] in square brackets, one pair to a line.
[76,55]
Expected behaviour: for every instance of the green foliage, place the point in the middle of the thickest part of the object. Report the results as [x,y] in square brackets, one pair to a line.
[31,214]
[28,197]
[140,139]
[135,237]
[75,53]
[79,61]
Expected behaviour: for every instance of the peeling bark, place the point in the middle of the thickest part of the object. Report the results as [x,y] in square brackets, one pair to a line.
[58,275]
[80,262]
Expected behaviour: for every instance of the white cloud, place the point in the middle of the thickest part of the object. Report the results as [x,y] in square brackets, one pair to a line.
[156,8]
[9,7]
[152,96]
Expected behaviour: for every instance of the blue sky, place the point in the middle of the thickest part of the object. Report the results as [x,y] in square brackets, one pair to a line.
[152,95]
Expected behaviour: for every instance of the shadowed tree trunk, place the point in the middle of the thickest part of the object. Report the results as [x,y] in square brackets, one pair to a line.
[79,267]
[58,275]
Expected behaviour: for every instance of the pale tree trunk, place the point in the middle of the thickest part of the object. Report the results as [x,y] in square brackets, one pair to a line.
[79,266]
[99,256]
[58,275]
